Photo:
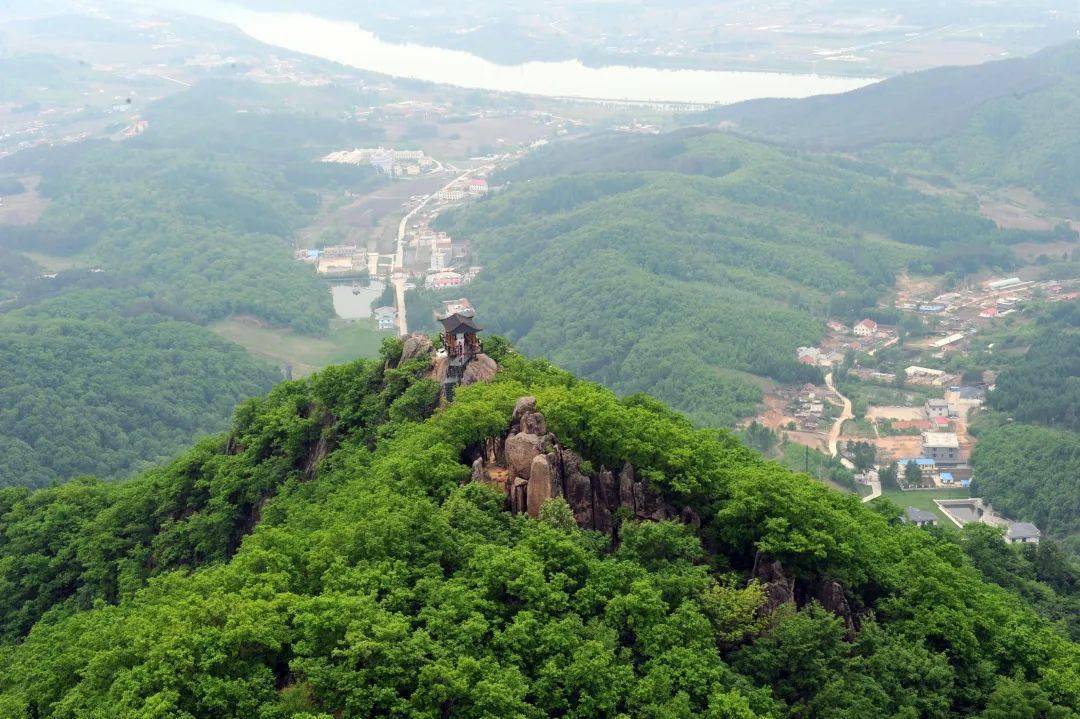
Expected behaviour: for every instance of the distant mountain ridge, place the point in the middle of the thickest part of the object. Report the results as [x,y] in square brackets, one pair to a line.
[913,107]
[1013,121]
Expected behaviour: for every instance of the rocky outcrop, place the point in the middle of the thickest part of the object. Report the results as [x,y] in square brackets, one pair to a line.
[518,495]
[521,449]
[533,423]
[481,368]
[832,597]
[530,464]
[539,468]
[326,444]
[416,345]
[523,405]
[779,588]
[543,484]
[605,501]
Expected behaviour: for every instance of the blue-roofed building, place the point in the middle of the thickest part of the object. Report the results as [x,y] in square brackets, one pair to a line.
[946,478]
[923,462]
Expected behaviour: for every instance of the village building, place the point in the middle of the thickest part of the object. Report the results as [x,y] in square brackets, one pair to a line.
[926,375]
[942,447]
[450,194]
[478,186]
[925,464]
[460,306]
[385,317]
[440,280]
[1003,284]
[866,328]
[919,517]
[937,408]
[836,326]
[943,342]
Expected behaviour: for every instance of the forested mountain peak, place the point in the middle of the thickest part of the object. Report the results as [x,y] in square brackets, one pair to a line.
[535,547]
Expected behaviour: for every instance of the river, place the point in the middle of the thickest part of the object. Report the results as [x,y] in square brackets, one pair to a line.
[349,44]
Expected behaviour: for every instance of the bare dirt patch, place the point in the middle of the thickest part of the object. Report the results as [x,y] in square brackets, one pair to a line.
[908,286]
[813,440]
[773,415]
[1010,217]
[893,448]
[895,412]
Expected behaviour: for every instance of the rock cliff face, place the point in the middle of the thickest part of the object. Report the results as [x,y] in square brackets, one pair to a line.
[532,466]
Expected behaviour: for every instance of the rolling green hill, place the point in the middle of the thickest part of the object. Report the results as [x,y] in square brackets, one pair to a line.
[1027,459]
[111,386]
[1010,122]
[330,557]
[111,367]
[674,264]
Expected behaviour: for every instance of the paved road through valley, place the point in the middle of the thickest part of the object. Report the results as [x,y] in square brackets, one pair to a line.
[398,275]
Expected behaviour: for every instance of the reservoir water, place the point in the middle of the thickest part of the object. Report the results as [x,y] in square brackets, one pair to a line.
[349,306]
[349,44]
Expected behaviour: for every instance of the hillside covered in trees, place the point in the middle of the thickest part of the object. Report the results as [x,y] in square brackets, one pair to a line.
[108,363]
[111,388]
[331,556]
[674,264]
[1027,459]
[1008,122]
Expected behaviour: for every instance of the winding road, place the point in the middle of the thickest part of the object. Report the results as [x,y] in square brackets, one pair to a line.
[398,275]
[834,436]
[845,415]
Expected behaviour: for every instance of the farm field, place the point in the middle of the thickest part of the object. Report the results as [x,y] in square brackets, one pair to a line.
[346,341]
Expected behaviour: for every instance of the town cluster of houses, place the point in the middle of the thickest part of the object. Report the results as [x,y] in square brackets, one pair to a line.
[344,261]
[459,191]
[868,335]
[807,405]
[386,160]
[443,279]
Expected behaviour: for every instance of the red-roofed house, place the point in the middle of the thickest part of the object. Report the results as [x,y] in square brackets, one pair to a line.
[478,186]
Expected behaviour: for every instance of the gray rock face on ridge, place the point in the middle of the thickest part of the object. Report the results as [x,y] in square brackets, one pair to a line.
[540,468]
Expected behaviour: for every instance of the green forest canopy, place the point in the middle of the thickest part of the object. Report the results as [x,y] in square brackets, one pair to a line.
[109,369]
[112,391]
[672,264]
[1032,473]
[244,581]
[1027,458]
